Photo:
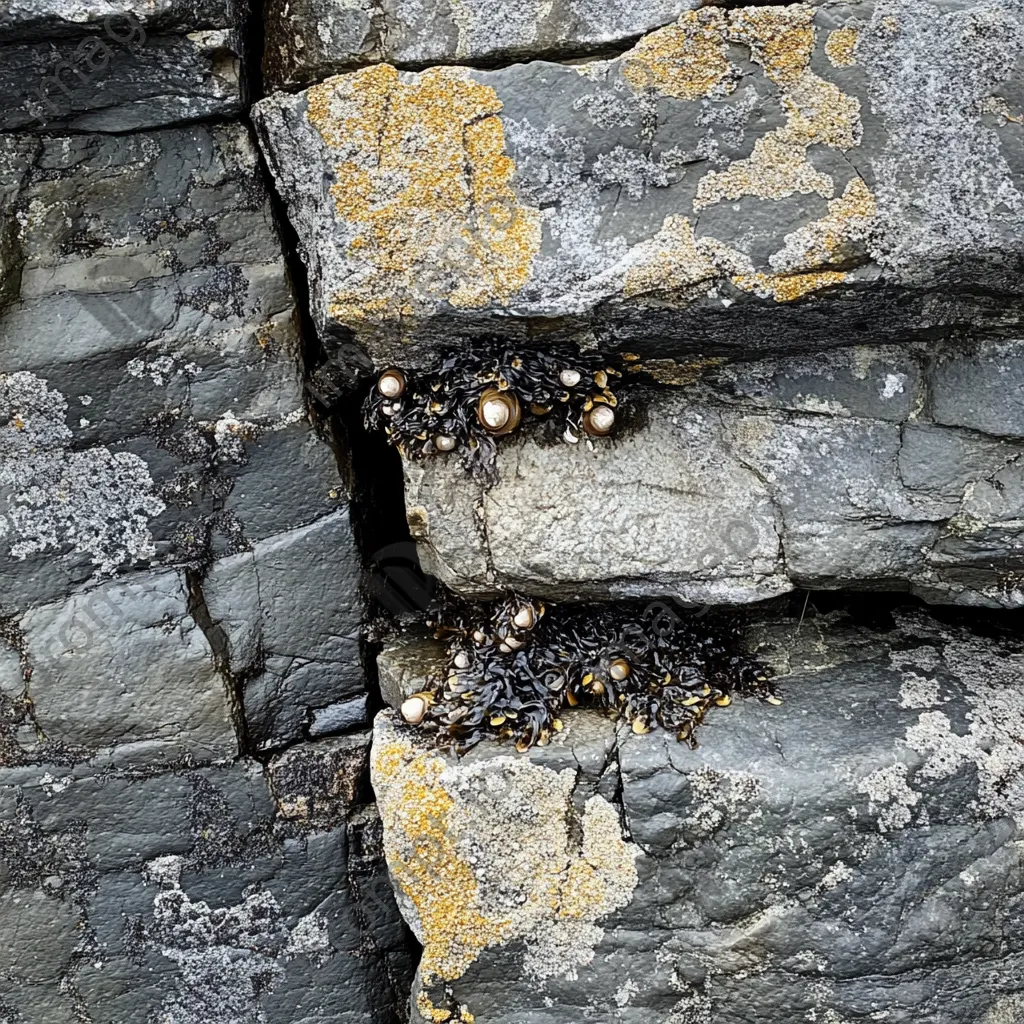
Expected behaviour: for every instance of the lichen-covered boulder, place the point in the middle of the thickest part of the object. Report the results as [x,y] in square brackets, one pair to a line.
[853,854]
[868,468]
[746,178]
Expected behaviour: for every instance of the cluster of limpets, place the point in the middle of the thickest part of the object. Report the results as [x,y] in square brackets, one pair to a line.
[477,396]
[514,667]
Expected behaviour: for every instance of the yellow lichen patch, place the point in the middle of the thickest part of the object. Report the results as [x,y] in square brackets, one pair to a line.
[781,41]
[424,185]
[831,241]
[686,60]
[427,866]
[840,47]
[674,259]
[668,371]
[787,287]
[483,854]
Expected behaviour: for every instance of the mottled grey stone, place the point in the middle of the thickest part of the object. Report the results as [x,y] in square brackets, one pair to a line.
[123,666]
[308,40]
[772,178]
[291,615]
[851,853]
[404,664]
[120,80]
[186,896]
[818,472]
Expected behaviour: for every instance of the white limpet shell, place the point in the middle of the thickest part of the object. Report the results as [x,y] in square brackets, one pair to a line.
[570,378]
[444,442]
[524,617]
[600,419]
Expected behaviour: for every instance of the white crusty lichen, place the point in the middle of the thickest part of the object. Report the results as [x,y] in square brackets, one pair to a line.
[490,852]
[56,497]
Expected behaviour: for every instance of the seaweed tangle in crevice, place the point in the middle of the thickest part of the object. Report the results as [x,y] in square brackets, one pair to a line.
[475,397]
[513,667]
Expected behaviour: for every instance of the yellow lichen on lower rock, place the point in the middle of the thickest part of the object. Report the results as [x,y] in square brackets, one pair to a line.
[481,855]
[788,287]
[840,47]
[424,185]
[687,60]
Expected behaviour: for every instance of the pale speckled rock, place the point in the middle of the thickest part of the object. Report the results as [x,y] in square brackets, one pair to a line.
[758,178]
[853,854]
[307,40]
[818,471]
[188,896]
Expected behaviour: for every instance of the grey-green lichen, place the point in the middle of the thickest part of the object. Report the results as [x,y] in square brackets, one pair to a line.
[56,497]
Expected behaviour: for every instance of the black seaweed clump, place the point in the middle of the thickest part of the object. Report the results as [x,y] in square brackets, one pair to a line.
[443,403]
[512,668]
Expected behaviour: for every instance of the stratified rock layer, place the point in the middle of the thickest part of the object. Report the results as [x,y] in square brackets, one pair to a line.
[162,421]
[307,40]
[752,178]
[853,852]
[118,66]
[871,468]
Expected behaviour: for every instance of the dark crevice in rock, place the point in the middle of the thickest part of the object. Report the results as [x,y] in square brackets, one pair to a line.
[217,639]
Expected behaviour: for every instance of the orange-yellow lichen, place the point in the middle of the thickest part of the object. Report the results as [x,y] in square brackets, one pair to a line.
[686,60]
[840,47]
[428,868]
[424,184]
[675,259]
[526,880]
[833,240]
[781,41]
[788,287]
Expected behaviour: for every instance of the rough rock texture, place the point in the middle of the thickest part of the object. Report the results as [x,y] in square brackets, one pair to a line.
[851,855]
[869,468]
[118,66]
[308,40]
[163,423]
[763,177]
[207,894]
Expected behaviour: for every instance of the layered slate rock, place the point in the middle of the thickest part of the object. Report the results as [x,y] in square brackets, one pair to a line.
[752,178]
[311,39]
[120,66]
[203,895]
[153,422]
[873,468]
[851,852]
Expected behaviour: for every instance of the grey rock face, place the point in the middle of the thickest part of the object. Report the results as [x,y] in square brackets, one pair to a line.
[852,469]
[162,423]
[309,40]
[852,852]
[118,66]
[200,895]
[753,179]
[121,80]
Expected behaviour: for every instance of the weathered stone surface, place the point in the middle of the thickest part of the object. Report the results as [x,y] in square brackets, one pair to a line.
[42,19]
[757,178]
[853,854]
[188,896]
[823,471]
[120,80]
[311,39]
[162,422]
